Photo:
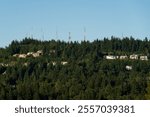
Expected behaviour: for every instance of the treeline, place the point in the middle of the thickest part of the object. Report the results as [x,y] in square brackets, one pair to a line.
[87,75]
[125,45]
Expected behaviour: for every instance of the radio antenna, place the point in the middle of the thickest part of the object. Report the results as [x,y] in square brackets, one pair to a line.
[84,34]
[69,37]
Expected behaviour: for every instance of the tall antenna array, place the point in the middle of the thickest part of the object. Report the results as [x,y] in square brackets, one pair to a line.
[84,34]
[122,36]
[69,37]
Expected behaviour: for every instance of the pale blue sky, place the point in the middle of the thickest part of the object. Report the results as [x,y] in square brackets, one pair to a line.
[102,18]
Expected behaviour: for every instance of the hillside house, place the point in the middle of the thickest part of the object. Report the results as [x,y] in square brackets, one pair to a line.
[30,53]
[128,67]
[64,62]
[144,58]
[22,56]
[16,55]
[111,57]
[134,56]
[123,57]
[35,55]
[38,53]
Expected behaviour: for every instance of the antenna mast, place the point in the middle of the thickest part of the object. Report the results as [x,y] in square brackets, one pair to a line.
[122,36]
[69,37]
[84,34]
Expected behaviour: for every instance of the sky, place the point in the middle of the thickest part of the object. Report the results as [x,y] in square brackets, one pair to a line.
[54,19]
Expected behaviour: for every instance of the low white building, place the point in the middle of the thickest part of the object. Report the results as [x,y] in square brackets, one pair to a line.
[144,58]
[16,55]
[35,55]
[123,57]
[64,62]
[40,52]
[111,57]
[30,53]
[134,56]
[22,56]
[128,67]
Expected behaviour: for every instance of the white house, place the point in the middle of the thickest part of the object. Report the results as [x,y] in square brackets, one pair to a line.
[144,58]
[128,67]
[124,57]
[30,53]
[40,52]
[16,55]
[35,55]
[134,56]
[111,57]
[64,62]
[22,56]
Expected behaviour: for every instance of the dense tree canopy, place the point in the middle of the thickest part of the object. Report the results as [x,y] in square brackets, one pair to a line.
[87,74]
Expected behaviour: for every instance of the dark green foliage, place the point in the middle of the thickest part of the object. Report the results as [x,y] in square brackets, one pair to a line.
[86,76]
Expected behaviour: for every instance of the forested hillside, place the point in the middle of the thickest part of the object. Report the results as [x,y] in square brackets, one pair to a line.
[73,70]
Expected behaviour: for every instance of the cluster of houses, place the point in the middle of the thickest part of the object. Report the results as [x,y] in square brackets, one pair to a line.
[29,54]
[123,57]
[108,57]
[37,54]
